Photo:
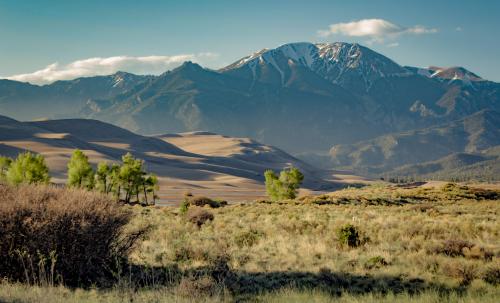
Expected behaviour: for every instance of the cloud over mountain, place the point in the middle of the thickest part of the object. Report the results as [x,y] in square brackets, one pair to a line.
[108,65]
[376,30]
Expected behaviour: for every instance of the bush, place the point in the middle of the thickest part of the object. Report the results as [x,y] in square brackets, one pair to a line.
[199,216]
[348,235]
[56,235]
[454,247]
[183,208]
[375,262]
[247,238]
[202,201]
[198,286]
[465,272]
[492,275]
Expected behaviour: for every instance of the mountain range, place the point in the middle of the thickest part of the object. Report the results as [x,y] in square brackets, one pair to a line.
[305,98]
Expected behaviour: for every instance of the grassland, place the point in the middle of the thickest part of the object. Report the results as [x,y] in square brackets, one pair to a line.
[422,244]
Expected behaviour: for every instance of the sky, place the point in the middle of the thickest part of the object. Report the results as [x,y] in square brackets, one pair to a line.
[44,41]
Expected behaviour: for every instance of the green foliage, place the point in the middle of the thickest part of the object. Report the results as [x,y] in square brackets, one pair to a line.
[184,207]
[4,166]
[284,186]
[28,168]
[80,173]
[129,179]
[348,235]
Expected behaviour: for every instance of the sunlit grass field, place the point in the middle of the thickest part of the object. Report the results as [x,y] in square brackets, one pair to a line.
[414,245]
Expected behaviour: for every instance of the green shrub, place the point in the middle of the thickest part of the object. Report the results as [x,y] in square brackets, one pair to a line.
[285,186]
[183,208]
[348,235]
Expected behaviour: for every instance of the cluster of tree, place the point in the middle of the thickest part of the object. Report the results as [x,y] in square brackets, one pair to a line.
[285,186]
[26,168]
[126,181]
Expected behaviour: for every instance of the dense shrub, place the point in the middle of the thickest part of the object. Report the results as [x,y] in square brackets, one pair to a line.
[348,235]
[199,216]
[202,201]
[70,236]
[492,275]
[454,247]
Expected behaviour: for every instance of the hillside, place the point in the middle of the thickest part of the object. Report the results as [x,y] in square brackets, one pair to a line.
[221,166]
[473,134]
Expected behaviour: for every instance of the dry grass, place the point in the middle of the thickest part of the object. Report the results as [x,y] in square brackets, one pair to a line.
[431,238]
[416,245]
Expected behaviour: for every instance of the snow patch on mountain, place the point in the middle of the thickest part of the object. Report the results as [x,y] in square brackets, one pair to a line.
[336,62]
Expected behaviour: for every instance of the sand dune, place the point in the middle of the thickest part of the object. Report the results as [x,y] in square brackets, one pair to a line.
[201,163]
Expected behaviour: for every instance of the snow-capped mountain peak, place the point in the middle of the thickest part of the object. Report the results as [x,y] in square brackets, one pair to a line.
[337,62]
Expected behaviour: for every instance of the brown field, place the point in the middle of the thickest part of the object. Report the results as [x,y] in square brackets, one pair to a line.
[416,244]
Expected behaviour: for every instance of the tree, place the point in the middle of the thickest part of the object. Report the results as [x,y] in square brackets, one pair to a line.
[80,173]
[129,179]
[150,186]
[284,186]
[130,176]
[4,166]
[106,177]
[28,168]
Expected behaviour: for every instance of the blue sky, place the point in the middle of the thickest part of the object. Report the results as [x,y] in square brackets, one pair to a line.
[57,37]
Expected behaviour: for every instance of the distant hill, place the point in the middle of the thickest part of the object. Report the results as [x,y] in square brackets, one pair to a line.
[451,143]
[458,167]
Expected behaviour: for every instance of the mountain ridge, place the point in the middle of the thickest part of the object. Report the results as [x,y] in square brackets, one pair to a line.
[301,97]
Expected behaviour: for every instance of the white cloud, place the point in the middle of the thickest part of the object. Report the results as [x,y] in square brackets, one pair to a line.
[109,65]
[394,44]
[376,30]
[458,29]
